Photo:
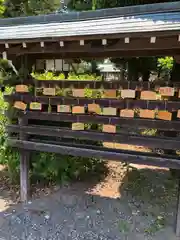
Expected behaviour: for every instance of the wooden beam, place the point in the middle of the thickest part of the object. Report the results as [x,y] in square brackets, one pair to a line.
[97,152]
[152,142]
[136,44]
[134,122]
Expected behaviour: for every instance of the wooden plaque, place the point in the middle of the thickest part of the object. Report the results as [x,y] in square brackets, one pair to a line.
[78,92]
[148,95]
[111,93]
[94,108]
[77,109]
[63,108]
[108,144]
[22,88]
[164,115]
[35,106]
[145,113]
[166,91]
[109,111]
[109,128]
[78,126]
[20,105]
[128,93]
[178,114]
[129,113]
[49,91]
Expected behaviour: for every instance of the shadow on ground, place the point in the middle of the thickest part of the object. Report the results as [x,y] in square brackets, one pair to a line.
[137,204]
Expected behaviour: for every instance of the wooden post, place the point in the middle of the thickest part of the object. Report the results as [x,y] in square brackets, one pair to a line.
[178,209]
[24,165]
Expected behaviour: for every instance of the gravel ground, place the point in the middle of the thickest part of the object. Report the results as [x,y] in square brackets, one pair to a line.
[134,205]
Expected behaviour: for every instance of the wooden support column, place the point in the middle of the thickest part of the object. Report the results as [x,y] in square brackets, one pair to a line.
[178,208]
[24,165]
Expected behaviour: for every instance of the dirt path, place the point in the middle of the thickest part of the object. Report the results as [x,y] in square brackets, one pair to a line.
[135,205]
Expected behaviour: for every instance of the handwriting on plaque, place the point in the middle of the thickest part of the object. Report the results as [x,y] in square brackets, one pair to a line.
[145,113]
[20,105]
[166,91]
[78,92]
[129,113]
[22,88]
[78,126]
[94,108]
[108,144]
[128,93]
[164,115]
[49,91]
[35,106]
[109,128]
[110,93]
[148,95]
[77,109]
[109,111]
[63,108]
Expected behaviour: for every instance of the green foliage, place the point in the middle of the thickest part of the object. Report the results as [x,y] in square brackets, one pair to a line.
[165,63]
[16,8]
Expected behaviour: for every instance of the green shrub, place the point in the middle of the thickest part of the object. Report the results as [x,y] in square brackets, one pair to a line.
[46,167]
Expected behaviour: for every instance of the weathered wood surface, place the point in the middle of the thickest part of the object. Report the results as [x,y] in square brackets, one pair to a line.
[98,152]
[147,141]
[24,163]
[134,122]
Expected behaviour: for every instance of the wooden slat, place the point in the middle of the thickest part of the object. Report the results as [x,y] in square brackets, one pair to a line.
[98,152]
[147,141]
[135,122]
[143,104]
[81,84]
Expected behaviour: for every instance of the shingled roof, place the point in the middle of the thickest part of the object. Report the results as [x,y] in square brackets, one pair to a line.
[144,18]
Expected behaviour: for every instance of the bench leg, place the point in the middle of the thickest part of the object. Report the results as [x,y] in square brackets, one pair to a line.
[24,175]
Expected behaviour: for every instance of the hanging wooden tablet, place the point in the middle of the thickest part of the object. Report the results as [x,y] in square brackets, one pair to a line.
[78,126]
[22,88]
[128,93]
[164,115]
[178,114]
[108,144]
[94,108]
[166,91]
[20,105]
[109,128]
[109,111]
[145,113]
[63,108]
[78,92]
[111,93]
[77,109]
[49,91]
[129,113]
[35,106]
[148,95]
